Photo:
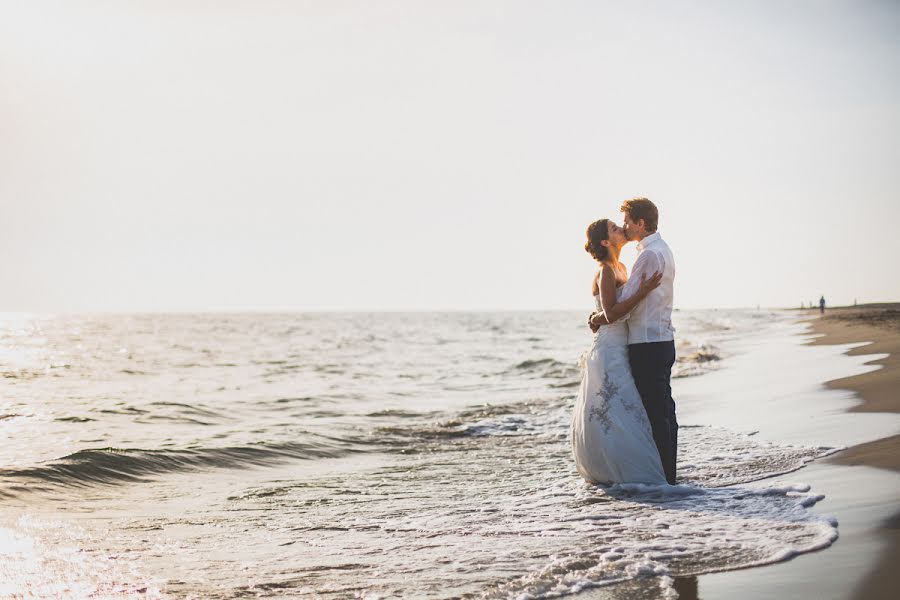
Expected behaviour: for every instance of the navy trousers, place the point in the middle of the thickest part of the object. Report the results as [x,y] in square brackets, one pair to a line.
[651,367]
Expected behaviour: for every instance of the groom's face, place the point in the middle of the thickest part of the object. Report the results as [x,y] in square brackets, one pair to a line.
[633,230]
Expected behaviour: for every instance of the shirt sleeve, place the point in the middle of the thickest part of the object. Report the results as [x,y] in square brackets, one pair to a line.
[647,263]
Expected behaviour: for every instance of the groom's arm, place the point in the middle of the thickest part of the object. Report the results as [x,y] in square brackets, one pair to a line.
[645,266]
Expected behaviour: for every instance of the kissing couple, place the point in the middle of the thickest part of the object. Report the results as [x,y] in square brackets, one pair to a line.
[624,428]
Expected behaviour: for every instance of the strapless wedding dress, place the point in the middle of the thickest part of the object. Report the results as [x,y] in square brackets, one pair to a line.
[611,437]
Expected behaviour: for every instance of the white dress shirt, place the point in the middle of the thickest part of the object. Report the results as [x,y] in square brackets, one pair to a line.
[651,319]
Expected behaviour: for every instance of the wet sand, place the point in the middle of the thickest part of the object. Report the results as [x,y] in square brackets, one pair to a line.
[876,328]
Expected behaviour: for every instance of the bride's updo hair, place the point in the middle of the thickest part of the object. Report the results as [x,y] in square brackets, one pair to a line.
[596,233]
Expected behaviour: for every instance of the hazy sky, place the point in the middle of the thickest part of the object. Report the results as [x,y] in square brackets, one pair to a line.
[255,154]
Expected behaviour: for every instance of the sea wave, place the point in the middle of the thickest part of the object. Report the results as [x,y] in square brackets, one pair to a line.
[546,367]
[121,465]
[695,360]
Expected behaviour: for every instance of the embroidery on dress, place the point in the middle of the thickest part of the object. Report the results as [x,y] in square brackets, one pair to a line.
[632,404]
[600,409]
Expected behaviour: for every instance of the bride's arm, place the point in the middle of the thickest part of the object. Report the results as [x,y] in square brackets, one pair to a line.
[613,310]
[596,318]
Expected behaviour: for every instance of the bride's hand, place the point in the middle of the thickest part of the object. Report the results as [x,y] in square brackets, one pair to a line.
[596,321]
[648,285]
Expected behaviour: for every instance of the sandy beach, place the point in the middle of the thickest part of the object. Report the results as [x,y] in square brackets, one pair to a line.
[876,327]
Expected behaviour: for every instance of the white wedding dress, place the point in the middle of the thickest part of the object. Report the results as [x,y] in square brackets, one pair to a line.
[611,437]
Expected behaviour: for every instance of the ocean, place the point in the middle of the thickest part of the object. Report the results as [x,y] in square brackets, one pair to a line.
[361,455]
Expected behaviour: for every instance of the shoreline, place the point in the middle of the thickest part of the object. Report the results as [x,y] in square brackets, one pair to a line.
[792,402]
[875,329]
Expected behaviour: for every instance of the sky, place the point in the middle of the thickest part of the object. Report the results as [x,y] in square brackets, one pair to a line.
[409,155]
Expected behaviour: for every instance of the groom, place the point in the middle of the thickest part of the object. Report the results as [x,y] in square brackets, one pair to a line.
[651,337]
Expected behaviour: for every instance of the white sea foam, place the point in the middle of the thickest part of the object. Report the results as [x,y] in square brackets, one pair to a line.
[680,530]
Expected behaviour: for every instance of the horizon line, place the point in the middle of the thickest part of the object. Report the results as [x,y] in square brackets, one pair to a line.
[283,310]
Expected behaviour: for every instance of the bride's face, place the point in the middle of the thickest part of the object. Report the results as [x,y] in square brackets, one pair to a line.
[616,235]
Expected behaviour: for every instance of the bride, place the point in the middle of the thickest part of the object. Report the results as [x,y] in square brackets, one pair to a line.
[611,437]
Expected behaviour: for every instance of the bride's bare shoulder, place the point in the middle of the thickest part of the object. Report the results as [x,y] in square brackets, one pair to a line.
[595,282]
[606,273]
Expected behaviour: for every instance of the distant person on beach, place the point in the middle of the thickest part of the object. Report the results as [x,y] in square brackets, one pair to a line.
[822,305]
[624,428]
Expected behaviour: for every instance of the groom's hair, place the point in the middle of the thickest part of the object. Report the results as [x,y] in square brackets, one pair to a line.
[641,208]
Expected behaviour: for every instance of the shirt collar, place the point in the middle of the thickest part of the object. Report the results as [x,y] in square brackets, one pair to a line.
[648,240]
